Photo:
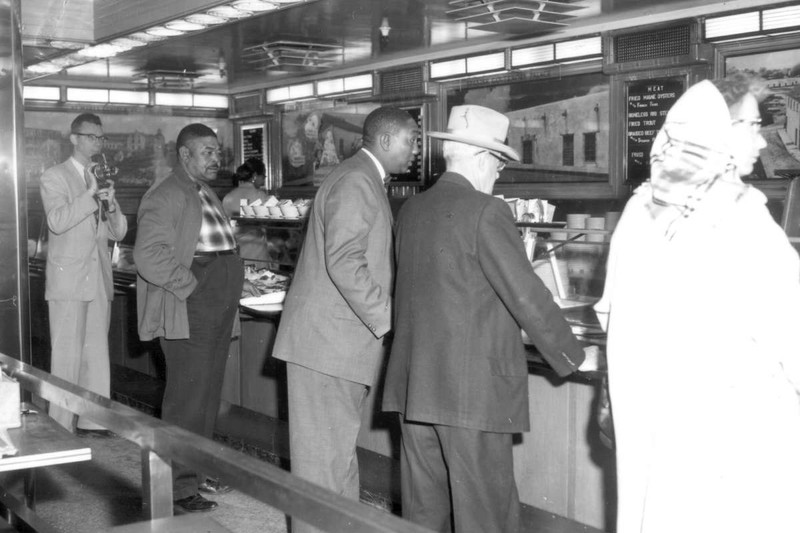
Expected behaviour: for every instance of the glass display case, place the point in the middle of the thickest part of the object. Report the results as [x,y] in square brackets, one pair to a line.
[572,264]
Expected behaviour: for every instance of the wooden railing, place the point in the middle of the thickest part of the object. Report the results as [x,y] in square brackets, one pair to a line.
[162,443]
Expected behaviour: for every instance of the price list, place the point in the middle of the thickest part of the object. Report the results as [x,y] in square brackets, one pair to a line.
[252,139]
[648,102]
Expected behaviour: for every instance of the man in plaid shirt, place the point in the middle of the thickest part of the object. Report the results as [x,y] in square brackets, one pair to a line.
[189,283]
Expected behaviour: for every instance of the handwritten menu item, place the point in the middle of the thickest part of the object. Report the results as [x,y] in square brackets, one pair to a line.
[648,102]
[252,142]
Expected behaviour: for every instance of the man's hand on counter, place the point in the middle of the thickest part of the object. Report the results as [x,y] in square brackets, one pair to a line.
[592,361]
[248,289]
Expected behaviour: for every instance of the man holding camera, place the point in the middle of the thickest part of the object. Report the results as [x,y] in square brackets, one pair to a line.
[82,215]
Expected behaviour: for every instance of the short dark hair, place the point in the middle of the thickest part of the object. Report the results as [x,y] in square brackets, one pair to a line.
[191,132]
[383,120]
[84,118]
[256,165]
[736,86]
[244,173]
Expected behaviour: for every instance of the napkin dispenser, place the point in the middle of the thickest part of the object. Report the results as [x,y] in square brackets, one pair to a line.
[10,416]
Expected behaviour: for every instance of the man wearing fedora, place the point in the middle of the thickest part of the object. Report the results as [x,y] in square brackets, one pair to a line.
[457,372]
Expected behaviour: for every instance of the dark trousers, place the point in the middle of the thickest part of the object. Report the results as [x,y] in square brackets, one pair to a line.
[196,366]
[457,479]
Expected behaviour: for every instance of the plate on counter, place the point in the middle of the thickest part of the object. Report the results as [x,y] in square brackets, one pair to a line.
[265,308]
[273,297]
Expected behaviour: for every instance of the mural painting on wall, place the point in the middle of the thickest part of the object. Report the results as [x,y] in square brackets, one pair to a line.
[780,111]
[141,146]
[558,126]
[314,141]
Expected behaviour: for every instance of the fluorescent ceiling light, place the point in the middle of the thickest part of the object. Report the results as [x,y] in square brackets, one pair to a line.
[45,67]
[184,25]
[229,12]
[217,101]
[101,51]
[486,62]
[533,54]
[37,92]
[75,94]
[782,17]
[579,48]
[443,69]
[146,37]
[128,97]
[359,82]
[732,25]
[124,42]
[174,99]
[205,19]
[254,5]
[330,86]
[278,94]
[67,45]
[161,31]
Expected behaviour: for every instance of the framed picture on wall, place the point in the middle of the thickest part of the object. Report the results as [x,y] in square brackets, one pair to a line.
[316,140]
[559,126]
[777,61]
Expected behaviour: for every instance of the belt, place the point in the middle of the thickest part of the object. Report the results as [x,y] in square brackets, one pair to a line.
[215,254]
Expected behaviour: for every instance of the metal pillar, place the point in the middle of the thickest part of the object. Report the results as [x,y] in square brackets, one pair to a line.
[14,299]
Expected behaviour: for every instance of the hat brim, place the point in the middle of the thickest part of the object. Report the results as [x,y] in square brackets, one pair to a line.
[494,146]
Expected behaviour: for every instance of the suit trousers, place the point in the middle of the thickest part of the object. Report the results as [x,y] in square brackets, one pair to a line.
[324,421]
[79,340]
[458,479]
[196,366]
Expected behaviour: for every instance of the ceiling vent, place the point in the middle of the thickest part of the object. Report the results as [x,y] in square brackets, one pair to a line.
[514,16]
[288,55]
[665,46]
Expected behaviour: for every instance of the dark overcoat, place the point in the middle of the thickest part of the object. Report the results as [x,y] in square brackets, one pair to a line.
[464,288]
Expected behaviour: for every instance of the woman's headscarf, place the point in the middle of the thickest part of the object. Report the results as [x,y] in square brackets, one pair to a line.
[691,154]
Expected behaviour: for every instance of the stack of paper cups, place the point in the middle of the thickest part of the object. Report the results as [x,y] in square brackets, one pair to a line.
[577,221]
[596,223]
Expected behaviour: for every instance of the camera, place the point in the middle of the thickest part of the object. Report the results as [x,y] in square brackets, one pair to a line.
[102,171]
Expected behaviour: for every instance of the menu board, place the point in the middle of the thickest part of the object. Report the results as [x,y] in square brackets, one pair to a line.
[252,142]
[648,102]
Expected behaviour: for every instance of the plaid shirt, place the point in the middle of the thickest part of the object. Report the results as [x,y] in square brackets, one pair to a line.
[215,233]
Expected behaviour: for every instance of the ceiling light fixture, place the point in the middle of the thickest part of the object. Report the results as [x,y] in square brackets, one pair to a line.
[293,54]
[184,25]
[221,14]
[255,5]
[514,16]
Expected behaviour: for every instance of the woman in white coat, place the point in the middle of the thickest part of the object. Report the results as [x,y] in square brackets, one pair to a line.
[702,302]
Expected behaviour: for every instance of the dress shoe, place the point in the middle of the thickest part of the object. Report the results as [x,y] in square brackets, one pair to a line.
[195,504]
[94,433]
[213,486]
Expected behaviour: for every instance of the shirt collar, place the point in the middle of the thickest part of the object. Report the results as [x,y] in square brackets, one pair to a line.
[384,176]
[77,164]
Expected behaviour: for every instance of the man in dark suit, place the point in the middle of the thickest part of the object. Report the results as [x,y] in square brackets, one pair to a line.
[81,218]
[338,308]
[457,372]
[188,287]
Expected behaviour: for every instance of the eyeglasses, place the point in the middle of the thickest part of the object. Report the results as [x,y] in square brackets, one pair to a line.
[92,136]
[501,163]
[755,124]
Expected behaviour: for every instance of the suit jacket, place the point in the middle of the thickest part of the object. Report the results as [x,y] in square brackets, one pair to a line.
[464,288]
[169,221]
[338,307]
[77,249]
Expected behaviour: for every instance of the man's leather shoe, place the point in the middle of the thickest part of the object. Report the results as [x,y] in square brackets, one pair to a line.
[195,504]
[94,433]
[213,486]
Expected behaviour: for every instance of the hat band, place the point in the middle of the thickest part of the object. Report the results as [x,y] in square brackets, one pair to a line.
[461,132]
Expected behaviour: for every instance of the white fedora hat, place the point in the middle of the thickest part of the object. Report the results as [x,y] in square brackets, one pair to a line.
[478,126]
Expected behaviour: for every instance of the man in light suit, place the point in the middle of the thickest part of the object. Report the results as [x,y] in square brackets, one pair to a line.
[338,308]
[81,218]
[457,372]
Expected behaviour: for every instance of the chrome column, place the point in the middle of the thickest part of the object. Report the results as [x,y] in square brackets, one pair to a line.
[14,300]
